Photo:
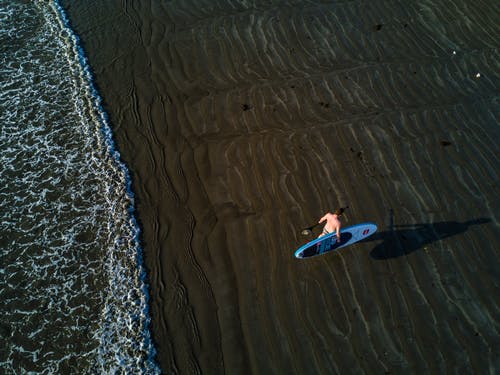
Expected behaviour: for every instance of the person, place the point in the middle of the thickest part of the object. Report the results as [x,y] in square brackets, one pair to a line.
[333,223]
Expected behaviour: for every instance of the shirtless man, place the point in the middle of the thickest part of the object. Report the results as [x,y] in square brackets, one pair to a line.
[333,223]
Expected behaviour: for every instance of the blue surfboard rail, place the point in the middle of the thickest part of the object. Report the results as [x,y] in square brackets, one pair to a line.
[327,243]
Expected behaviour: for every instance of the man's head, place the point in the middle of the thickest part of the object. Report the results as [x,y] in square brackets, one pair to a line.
[339,211]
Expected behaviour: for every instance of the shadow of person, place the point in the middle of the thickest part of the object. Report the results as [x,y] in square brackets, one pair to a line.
[404,239]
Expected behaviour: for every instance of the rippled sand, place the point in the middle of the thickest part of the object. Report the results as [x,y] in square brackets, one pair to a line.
[243,122]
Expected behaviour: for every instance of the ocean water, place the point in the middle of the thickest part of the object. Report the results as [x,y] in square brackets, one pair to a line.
[73,291]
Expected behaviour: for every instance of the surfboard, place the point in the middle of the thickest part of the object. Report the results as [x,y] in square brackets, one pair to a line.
[328,243]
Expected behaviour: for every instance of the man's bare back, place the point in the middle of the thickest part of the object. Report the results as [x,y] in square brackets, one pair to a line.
[333,223]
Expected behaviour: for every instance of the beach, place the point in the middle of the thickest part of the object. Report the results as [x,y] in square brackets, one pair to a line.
[243,122]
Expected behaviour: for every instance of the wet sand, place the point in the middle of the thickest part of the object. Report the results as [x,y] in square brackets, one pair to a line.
[242,124]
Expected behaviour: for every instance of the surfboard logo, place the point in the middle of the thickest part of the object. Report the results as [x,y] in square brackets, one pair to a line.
[366,231]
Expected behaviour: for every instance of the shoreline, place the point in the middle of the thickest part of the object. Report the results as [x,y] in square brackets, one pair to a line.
[233,143]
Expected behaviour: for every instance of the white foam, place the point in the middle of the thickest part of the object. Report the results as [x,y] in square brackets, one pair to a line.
[75,289]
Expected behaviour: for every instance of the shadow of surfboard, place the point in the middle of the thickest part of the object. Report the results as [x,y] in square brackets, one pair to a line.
[402,240]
